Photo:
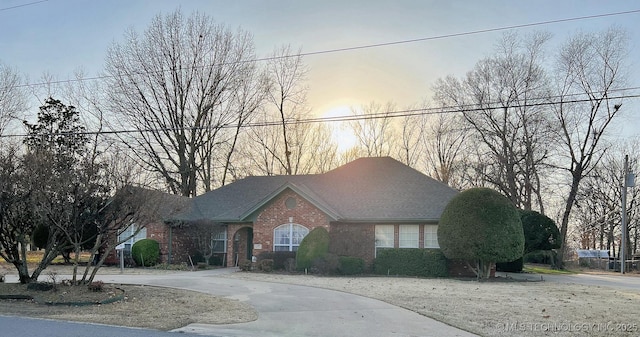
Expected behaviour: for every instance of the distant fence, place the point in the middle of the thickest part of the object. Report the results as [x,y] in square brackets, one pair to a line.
[594,258]
[600,259]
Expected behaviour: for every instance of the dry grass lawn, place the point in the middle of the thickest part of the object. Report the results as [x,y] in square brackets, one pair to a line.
[142,306]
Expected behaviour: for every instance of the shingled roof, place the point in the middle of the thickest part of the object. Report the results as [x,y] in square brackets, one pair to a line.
[376,189]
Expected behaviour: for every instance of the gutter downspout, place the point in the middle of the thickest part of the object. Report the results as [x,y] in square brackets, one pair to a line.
[169,258]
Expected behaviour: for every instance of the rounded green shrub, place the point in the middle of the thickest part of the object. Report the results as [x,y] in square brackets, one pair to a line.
[146,252]
[313,247]
[483,226]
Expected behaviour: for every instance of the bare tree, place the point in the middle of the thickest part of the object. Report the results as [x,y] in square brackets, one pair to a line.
[128,206]
[319,153]
[374,129]
[444,144]
[287,103]
[597,212]
[250,98]
[205,237]
[288,146]
[590,67]
[17,212]
[182,86]
[411,146]
[597,206]
[311,149]
[496,100]
[12,97]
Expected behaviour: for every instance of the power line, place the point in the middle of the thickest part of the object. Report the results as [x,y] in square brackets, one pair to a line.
[23,5]
[474,32]
[346,49]
[347,118]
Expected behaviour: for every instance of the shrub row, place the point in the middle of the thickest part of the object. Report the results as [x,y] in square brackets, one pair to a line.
[350,265]
[326,265]
[281,260]
[411,262]
[331,264]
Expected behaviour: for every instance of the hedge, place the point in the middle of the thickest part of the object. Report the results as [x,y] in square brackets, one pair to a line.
[281,260]
[411,262]
[350,265]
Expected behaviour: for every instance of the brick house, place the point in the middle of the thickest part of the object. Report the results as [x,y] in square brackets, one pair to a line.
[140,214]
[367,204]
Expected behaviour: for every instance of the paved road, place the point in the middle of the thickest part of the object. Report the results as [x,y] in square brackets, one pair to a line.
[30,327]
[292,310]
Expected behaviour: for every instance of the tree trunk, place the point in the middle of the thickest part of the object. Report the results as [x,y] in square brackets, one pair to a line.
[577,176]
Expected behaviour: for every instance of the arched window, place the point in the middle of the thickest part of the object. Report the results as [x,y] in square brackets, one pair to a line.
[287,237]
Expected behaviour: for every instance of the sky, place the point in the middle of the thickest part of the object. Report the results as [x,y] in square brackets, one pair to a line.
[60,36]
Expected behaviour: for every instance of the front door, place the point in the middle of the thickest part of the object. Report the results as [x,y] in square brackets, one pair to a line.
[243,245]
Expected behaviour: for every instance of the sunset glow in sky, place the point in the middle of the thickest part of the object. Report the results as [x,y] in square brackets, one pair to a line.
[60,36]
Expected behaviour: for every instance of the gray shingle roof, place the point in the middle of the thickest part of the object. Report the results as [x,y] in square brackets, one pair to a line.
[378,189]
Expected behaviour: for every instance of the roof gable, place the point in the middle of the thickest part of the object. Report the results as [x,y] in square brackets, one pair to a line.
[301,191]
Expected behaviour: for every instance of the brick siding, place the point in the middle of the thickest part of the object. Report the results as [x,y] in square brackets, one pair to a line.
[349,239]
[277,212]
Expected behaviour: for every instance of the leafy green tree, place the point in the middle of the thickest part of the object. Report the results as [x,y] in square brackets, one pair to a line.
[70,191]
[540,232]
[481,225]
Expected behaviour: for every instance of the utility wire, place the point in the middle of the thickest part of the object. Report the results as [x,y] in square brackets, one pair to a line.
[347,118]
[339,50]
[23,5]
[474,32]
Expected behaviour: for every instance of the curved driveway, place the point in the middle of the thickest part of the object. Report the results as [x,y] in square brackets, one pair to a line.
[292,310]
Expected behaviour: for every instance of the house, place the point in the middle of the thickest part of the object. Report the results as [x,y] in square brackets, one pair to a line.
[366,205]
[138,213]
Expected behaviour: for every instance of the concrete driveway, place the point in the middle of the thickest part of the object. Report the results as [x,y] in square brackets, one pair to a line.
[292,310]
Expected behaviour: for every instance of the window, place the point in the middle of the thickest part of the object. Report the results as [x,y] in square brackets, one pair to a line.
[409,236]
[431,236]
[129,236]
[287,238]
[384,237]
[219,241]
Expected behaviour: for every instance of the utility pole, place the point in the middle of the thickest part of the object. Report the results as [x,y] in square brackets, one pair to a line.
[629,181]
